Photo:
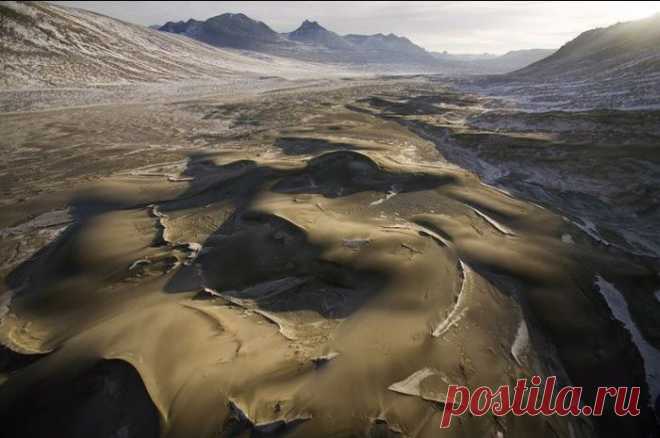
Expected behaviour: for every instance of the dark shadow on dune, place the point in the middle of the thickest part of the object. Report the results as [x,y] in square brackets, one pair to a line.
[107,399]
[51,265]
[246,237]
[343,173]
[270,260]
[253,249]
[305,145]
[237,424]
[333,174]
[44,267]
[11,361]
[425,104]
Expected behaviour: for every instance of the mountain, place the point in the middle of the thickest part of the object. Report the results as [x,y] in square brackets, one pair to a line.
[624,50]
[48,45]
[313,42]
[177,27]
[463,56]
[228,30]
[390,48]
[616,67]
[313,33]
[310,41]
[493,64]
[513,60]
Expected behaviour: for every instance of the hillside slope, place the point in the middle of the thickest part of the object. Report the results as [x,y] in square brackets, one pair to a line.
[46,45]
[617,67]
[629,49]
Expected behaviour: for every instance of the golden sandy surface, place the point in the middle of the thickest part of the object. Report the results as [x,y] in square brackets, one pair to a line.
[303,263]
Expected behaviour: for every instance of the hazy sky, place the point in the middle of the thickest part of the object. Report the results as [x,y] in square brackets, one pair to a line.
[459,27]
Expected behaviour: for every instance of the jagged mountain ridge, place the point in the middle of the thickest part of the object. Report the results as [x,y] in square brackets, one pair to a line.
[310,41]
[313,42]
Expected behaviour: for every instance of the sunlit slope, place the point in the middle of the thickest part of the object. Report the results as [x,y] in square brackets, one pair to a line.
[624,50]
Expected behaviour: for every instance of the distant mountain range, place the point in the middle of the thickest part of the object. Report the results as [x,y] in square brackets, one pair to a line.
[313,42]
[309,42]
[494,64]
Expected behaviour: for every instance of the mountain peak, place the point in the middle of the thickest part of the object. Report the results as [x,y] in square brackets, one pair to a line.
[235,30]
[232,17]
[312,32]
[309,26]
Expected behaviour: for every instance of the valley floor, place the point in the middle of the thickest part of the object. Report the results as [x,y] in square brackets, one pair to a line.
[320,258]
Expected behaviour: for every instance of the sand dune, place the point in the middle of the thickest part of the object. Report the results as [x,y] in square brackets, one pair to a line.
[316,270]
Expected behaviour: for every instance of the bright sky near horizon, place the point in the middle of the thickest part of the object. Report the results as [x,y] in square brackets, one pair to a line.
[458,27]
